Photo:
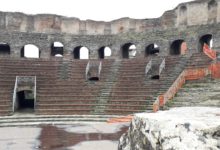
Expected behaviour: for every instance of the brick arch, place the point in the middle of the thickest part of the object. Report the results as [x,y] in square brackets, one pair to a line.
[57,48]
[102,52]
[178,47]
[79,51]
[152,49]
[30,47]
[125,48]
[204,39]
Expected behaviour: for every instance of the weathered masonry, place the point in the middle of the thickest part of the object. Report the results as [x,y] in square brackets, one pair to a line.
[96,67]
[188,22]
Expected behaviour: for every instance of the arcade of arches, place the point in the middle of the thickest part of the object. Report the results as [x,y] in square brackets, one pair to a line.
[128,50]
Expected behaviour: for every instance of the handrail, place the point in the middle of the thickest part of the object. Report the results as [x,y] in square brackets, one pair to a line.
[14,94]
[162,66]
[87,69]
[148,67]
[100,68]
[173,89]
[209,52]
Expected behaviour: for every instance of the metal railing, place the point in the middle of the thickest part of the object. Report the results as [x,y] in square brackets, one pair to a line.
[148,67]
[162,66]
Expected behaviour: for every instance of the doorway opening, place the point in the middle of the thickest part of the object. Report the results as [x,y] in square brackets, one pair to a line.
[25,101]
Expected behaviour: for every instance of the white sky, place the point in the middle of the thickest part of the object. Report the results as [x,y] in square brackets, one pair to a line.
[93,9]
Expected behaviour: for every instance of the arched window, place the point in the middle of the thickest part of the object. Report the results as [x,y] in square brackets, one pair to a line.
[128,50]
[205,39]
[178,47]
[81,52]
[152,49]
[30,51]
[104,52]
[57,49]
[4,49]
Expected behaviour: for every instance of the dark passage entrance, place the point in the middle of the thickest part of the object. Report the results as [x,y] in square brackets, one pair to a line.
[205,39]
[126,49]
[4,49]
[101,53]
[25,101]
[176,47]
[152,49]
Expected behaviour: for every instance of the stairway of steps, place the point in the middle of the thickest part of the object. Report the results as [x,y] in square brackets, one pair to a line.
[75,95]
[103,98]
[64,70]
[199,60]
[19,119]
[62,88]
[203,92]
[12,67]
[174,66]
[128,94]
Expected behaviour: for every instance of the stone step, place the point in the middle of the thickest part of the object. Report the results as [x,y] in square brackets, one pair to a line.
[33,120]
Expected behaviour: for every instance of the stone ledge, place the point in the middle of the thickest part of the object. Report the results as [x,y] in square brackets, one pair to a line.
[185,128]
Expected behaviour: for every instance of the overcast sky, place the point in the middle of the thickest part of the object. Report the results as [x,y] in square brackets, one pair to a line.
[93,9]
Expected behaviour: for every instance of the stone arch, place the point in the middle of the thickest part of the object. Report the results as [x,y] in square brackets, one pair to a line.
[57,49]
[104,51]
[30,51]
[5,49]
[152,49]
[178,47]
[128,50]
[205,39]
[81,52]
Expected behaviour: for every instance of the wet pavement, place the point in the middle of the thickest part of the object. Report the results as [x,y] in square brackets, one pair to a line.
[93,136]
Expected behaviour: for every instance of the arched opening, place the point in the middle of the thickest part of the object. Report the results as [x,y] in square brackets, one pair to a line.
[25,101]
[4,49]
[205,39]
[30,51]
[178,47]
[57,49]
[128,50]
[152,49]
[81,52]
[104,52]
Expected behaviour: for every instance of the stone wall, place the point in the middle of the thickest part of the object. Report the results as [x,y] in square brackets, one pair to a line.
[188,21]
[187,14]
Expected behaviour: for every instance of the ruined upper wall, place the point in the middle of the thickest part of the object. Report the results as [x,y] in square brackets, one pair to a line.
[198,12]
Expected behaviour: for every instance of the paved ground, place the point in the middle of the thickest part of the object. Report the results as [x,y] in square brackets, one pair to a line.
[93,136]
